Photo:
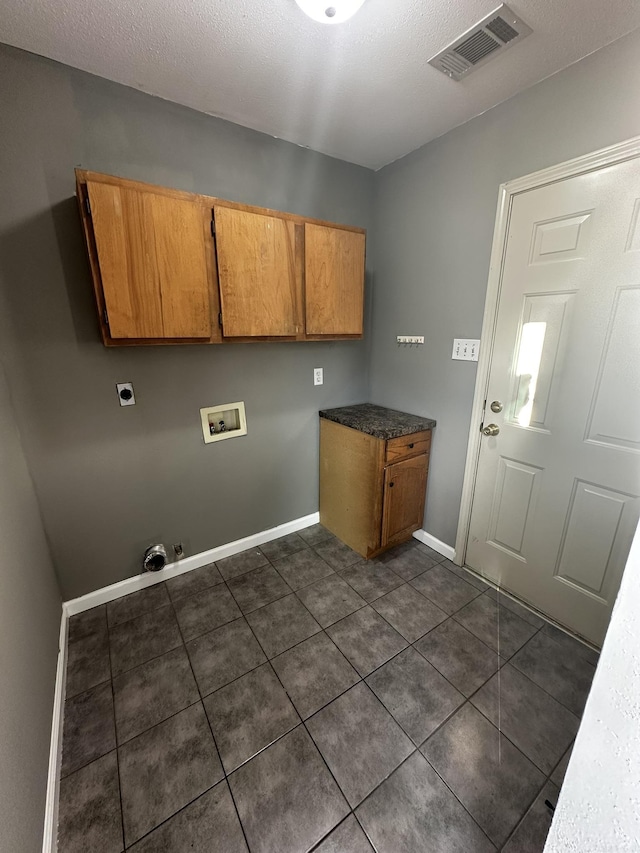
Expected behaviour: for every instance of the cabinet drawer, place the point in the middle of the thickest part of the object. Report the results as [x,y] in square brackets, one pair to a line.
[407,446]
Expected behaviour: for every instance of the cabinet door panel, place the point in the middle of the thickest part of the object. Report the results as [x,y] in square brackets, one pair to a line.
[152,261]
[334,280]
[405,484]
[257,274]
[182,267]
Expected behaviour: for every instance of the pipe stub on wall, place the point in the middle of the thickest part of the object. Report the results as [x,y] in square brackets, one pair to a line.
[155,558]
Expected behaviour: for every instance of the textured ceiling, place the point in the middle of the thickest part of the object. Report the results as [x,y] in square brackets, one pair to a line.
[361,91]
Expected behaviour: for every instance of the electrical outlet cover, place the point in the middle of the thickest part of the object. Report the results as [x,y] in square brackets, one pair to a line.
[126,397]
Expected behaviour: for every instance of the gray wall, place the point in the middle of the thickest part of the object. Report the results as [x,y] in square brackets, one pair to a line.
[432,241]
[29,629]
[111,480]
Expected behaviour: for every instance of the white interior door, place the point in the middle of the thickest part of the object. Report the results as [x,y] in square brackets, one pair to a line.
[556,498]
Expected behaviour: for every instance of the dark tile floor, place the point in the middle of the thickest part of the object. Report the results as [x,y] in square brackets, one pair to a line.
[295,698]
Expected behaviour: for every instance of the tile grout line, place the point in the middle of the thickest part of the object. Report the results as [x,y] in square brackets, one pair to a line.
[317,845]
[544,784]
[530,805]
[501,734]
[303,723]
[294,591]
[544,690]
[458,800]
[198,701]
[115,727]
[88,690]
[469,698]
[517,651]
[306,546]
[268,661]
[323,630]
[337,572]
[171,716]
[309,546]
[167,819]
[290,648]
[453,794]
[363,681]
[352,809]
[441,561]
[539,686]
[213,737]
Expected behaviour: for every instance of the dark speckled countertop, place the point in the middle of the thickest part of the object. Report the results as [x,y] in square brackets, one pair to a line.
[377,421]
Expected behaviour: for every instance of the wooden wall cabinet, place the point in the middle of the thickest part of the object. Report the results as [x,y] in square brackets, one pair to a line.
[372,490]
[175,267]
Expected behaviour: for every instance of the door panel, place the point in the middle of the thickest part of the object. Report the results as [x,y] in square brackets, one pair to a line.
[257,274]
[404,496]
[613,421]
[556,494]
[334,280]
[591,533]
[516,487]
[152,258]
[562,239]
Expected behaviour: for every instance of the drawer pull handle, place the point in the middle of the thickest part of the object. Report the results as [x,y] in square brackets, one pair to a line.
[390,485]
[411,446]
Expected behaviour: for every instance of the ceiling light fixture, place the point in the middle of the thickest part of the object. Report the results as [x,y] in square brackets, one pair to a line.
[330,11]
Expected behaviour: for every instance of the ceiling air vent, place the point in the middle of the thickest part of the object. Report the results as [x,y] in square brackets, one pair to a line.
[499,30]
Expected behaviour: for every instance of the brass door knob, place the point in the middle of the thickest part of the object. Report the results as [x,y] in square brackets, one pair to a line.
[491,429]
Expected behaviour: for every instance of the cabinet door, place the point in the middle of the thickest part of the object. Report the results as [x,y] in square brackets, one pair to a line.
[257,274]
[334,280]
[152,256]
[405,485]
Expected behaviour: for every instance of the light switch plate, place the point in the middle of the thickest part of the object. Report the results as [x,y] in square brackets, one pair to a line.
[465,349]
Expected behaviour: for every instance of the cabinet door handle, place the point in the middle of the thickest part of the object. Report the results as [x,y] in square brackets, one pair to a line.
[390,485]
[411,446]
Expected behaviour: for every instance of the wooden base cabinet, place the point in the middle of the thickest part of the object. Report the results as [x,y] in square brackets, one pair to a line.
[372,490]
[172,267]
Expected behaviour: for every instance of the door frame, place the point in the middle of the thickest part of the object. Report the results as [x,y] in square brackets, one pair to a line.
[612,155]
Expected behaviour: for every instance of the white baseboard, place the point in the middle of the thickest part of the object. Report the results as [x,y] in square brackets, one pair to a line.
[116,590]
[50,835]
[436,544]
